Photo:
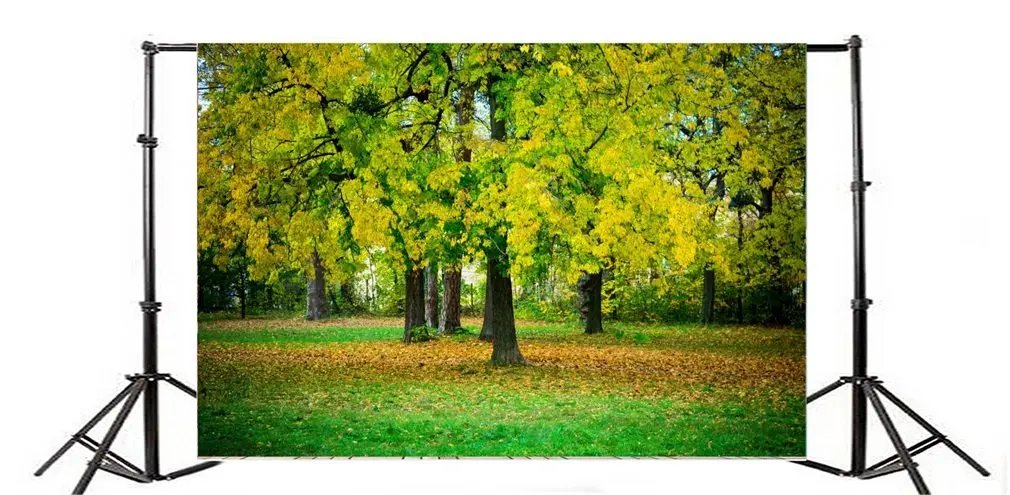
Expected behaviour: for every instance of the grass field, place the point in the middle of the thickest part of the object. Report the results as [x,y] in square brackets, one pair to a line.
[287,387]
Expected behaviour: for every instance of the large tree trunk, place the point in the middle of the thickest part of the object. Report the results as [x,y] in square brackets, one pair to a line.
[413,304]
[449,321]
[500,312]
[431,295]
[591,293]
[503,323]
[708,295]
[315,307]
[485,329]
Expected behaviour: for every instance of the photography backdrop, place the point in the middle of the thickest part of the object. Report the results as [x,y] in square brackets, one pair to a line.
[98,166]
[626,224]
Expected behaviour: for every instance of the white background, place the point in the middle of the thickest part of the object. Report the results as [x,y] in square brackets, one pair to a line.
[936,87]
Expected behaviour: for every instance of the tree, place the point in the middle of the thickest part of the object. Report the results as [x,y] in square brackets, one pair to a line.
[449,322]
[587,183]
[505,348]
[272,159]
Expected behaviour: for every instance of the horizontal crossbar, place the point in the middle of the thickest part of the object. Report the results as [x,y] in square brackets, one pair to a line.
[914,450]
[869,474]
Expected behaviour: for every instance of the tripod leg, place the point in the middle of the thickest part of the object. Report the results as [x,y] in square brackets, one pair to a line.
[83,431]
[928,427]
[136,388]
[892,432]
[824,391]
[181,386]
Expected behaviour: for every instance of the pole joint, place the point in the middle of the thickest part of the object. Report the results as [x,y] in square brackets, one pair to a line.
[859,185]
[150,306]
[147,141]
[861,304]
[855,41]
[148,376]
[149,48]
[859,380]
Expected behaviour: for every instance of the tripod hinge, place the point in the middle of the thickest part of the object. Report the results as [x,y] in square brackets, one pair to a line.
[150,306]
[858,380]
[148,376]
[859,185]
[861,303]
[147,141]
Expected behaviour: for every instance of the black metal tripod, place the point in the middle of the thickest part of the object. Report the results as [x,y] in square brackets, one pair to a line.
[869,387]
[143,384]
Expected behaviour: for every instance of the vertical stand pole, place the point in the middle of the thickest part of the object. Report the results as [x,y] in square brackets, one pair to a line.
[149,305]
[859,301]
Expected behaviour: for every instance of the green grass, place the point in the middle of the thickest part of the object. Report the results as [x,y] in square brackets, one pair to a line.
[296,336]
[275,392]
[375,419]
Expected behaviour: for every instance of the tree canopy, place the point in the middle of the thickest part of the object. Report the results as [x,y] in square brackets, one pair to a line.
[649,168]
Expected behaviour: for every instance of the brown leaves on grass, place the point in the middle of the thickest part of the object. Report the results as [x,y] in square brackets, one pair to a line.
[624,370]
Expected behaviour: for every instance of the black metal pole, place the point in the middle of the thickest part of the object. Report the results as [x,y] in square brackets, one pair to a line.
[859,301]
[149,305]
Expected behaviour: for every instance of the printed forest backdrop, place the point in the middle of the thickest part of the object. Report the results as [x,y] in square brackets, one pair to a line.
[589,183]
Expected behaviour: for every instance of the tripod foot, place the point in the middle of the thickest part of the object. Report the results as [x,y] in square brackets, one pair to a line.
[196,468]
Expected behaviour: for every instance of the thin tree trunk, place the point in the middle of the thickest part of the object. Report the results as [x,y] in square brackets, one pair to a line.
[315,307]
[449,321]
[431,295]
[503,324]
[242,292]
[708,295]
[594,302]
[485,330]
[583,296]
[413,313]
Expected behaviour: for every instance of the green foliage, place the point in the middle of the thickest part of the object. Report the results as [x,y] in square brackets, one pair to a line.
[423,333]
[640,338]
[546,311]
[652,162]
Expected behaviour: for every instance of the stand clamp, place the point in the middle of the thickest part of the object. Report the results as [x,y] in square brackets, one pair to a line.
[859,185]
[150,306]
[861,304]
[147,141]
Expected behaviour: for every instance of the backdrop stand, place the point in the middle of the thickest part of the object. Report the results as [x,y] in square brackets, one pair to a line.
[866,387]
[142,384]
